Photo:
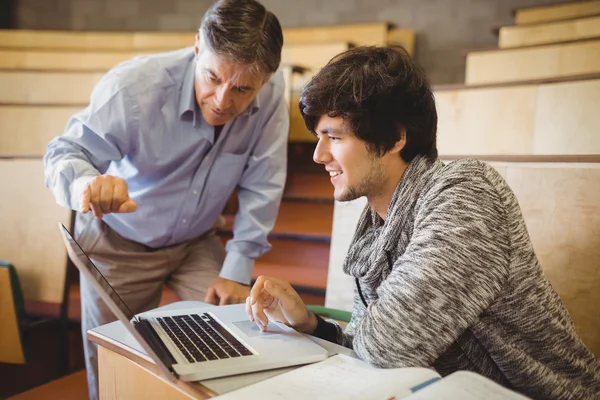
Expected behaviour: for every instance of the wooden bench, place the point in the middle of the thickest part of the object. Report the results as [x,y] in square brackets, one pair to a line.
[47,88]
[378,33]
[29,230]
[561,209]
[514,65]
[556,12]
[532,119]
[552,32]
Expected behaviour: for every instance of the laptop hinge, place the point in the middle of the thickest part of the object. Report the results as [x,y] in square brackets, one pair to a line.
[148,333]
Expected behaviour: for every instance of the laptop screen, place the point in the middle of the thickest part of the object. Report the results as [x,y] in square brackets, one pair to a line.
[85,260]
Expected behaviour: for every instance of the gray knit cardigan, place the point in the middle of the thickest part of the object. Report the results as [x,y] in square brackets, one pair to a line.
[451,281]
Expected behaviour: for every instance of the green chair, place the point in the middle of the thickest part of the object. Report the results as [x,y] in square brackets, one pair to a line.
[332,313]
[12,316]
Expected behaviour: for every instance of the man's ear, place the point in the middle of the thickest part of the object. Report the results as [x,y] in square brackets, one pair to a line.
[197,44]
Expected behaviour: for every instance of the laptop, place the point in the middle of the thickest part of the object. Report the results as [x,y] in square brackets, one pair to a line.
[203,343]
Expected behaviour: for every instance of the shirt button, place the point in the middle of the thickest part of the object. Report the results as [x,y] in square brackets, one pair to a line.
[195,192]
[184,220]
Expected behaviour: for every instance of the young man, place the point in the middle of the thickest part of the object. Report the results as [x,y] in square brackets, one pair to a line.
[446,274]
[155,156]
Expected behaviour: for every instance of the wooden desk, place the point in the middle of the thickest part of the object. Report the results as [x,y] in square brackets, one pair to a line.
[126,372]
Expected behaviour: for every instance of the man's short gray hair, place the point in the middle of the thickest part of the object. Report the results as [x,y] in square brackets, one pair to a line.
[243,31]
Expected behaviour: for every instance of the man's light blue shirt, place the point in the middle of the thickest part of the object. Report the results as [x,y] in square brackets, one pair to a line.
[143,124]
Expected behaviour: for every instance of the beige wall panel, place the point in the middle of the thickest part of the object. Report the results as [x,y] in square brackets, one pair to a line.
[534,15]
[11,350]
[486,121]
[523,35]
[29,235]
[27,130]
[567,118]
[550,61]
[561,208]
[359,34]
[62,60]
[47,87]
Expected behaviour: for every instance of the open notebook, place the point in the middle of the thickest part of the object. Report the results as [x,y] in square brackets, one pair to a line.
[348,378]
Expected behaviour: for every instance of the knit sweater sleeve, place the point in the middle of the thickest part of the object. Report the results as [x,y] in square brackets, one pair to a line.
[454,266]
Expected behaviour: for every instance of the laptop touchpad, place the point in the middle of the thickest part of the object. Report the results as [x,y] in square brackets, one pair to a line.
[251,329]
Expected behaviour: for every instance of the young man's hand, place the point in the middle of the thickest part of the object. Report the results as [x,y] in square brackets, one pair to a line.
[223,291]
[106,194]
[276,299]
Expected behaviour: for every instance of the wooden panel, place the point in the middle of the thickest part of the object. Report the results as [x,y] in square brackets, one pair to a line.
[519,35]
[302,263]
[298,131]
[556,12]
[62,60]
[360,34]
[561,209]
[486,121]
[515,65]
[122,378]
[310,56]
[549,119]
[26,130]
[159,41]
[567,118]
[308,186]
[301,218]
[72,88]
[405,37]
[11,350]
[69,387]
[67,40]
[29,235]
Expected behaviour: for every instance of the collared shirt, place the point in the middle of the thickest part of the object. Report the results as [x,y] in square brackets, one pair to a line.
[143,124]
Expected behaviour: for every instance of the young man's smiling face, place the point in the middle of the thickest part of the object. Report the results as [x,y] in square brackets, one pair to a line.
[353,170]
[224,89]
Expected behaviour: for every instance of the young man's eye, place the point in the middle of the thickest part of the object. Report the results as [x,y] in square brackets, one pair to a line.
[334,138]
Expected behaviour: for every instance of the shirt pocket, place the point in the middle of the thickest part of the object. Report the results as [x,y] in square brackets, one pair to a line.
[225,174]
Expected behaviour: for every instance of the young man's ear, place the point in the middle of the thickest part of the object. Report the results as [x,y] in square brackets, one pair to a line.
[400,144]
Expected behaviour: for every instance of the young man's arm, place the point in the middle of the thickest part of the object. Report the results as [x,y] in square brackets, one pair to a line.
[94,137]
[454,267]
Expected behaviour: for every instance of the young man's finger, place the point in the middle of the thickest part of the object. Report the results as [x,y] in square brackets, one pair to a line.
[259,314]
[287,300]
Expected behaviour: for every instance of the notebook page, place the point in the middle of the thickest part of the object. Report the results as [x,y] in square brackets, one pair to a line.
[466,386]
[339,376]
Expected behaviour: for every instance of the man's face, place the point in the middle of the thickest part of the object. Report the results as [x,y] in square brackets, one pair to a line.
[223,89]
[353,170]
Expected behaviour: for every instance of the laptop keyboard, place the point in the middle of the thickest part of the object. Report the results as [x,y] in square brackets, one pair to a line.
[200,338]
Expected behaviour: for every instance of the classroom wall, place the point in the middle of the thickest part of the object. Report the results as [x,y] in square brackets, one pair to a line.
[444,27]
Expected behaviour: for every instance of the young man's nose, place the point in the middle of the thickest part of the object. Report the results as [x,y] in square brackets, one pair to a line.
[321,154]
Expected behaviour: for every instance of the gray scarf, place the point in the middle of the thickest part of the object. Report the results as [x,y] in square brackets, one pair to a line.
[375,247]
